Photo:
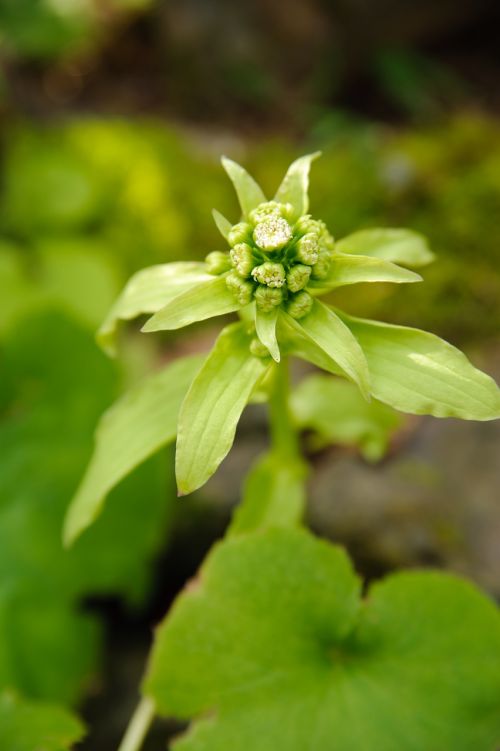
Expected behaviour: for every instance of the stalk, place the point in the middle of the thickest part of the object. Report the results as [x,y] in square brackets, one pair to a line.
[139,724]
[283,434]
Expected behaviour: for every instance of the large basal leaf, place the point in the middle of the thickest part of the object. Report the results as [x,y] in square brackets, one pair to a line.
[337,413]
[418,372]
[350,269]
[273,650]
[295,185]
[213,406]
[140,423]
[323,327]
[273,496]
[209,299]
[402,246]
[248,192]
[36,726]
[147,292]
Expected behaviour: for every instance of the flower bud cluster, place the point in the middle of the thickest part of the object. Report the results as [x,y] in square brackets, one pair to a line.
[273,258]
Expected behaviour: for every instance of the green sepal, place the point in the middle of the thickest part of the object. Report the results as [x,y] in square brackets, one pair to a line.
[134,428]
[402,246]
[207,300]
[351,269]
[147,292]
[36,725]
[265,326]
[249,193]
[213,405]
[222,224]
[295,185]
[419,373]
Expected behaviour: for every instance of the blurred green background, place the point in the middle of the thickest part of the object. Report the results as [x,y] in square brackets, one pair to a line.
[113,116]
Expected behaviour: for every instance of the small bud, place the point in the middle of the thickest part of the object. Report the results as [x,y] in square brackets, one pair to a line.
[306,224]
[271,274]
[272,233]
[268,298]
[297,277]
[322,266]
[326,240]
[299,305]
[307,248]
[257,349]
[217,262]
[242,259]
[239,233]
[265,210]
[241,289]
[287,211]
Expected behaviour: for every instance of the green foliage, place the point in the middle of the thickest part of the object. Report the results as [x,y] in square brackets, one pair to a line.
[36,726]
[408,668]
[395,245]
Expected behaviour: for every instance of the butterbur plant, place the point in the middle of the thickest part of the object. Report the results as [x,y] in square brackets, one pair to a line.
[274,646]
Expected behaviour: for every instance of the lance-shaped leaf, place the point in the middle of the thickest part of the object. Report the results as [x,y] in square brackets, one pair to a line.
[402,246]
[274,495]
[295,185]
[265,326]
[140,423]
[294,341]
[418,372]
[213,406]
[248,191]
[36,726]
[351,269]
[222,224]
[273,649]
[148,291]
[206,300]
[323,327]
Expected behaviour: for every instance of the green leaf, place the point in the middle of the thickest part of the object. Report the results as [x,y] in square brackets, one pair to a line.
[323,327]
[249,194]
[140,423]
[336,411]
[350,269]
[147,292]
[417,372]
[274,495]
[295,186]
[213,406]
[36,726]
[206,300]
[402,246]
[265,326]
[272,649]
[223,224]
[294,342]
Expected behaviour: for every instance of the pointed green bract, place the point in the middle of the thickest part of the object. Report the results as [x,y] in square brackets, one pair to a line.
[213,406]
[148,291]
[295,342]
[36,726]
[274,495]
[351,269]
[327,331]
[209,299]
[402,246]
[295,185]
[140,423]
[272,648]
[223,224]
[417,372]
[249,193]
[265,326]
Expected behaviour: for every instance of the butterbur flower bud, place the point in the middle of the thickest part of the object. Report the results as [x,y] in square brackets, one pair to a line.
[239,233]
[299,305]
[271,274]
[268,298]
[272,233]
[242,259]
[308,248]
[257,349]
[217,262]
[297,277]
[306,224]
[241,289]
[322,266]
[265,210]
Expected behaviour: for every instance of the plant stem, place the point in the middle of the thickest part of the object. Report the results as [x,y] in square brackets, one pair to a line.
[283,434]
[138,726]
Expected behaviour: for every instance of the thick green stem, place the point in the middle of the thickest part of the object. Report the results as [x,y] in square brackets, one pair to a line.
[138,726]
[283,434]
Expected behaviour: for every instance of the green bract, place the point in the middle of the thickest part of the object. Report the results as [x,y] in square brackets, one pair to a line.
[279,260]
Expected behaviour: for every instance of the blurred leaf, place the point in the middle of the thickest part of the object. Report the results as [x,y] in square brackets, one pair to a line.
[396,245]
[351,269]
[272,647]
[294,188]
[36,726]
[338,414]
[249,194]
